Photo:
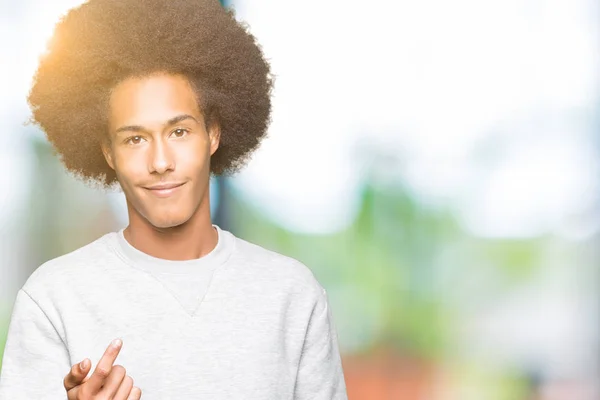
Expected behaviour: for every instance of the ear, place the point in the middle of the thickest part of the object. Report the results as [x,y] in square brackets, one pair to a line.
[214,134]
[107,151]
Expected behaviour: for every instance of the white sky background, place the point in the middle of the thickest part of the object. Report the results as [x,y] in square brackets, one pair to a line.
[431,81]
[24,29]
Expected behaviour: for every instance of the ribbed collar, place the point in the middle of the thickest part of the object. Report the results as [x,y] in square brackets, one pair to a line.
[139,259]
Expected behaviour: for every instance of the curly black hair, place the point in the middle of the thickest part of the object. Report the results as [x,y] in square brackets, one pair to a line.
[102,42]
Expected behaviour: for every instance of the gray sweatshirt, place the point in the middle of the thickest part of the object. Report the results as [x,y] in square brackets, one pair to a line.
[242,322]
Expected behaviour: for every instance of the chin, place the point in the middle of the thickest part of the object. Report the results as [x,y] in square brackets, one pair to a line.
[164,223]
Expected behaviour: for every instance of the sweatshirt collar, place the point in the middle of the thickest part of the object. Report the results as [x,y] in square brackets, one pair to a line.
[217,256]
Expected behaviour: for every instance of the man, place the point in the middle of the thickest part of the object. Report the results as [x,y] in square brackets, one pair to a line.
[157,95]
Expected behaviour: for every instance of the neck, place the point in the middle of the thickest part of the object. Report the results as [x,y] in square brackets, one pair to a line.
[191,240]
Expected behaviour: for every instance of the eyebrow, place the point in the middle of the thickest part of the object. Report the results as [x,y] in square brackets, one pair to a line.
[139,128]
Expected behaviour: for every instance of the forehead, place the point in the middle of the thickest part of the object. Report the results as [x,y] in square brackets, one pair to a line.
[151,100]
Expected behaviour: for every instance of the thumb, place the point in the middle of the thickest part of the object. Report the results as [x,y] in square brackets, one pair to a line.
[77,375]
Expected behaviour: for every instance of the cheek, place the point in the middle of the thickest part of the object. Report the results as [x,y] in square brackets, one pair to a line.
[193,158]
[130,167]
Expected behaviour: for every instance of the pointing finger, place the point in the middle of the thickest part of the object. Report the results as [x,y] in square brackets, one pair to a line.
[104,366]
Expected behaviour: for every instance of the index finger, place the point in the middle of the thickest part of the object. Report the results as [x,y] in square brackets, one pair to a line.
[104,366]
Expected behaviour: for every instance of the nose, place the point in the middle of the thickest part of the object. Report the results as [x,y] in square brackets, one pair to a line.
[161,158]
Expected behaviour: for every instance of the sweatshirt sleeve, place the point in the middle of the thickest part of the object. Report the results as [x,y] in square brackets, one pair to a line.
[35,359]
[320,374]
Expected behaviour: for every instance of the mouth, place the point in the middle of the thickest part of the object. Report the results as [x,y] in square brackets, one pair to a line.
[164,189]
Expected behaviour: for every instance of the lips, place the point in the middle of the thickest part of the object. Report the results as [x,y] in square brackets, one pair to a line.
[164,189]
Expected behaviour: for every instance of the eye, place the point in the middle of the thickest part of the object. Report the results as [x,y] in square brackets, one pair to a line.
[180,132]
[133,140]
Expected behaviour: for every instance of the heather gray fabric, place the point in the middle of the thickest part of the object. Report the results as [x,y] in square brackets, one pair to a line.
[242,322]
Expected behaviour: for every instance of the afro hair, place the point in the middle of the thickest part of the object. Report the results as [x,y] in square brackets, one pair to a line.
[102,42]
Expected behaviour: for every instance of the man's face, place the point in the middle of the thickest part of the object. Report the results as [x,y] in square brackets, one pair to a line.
[160,148]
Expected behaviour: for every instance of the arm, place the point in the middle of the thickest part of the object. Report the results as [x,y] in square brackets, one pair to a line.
[35,357]
[320,375]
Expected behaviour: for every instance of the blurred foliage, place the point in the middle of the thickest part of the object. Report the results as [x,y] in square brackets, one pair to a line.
[518,259]
[385,257]
[4,321]
[470,381]
[385,272]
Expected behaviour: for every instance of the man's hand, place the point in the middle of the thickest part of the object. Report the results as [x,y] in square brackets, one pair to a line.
[106,382]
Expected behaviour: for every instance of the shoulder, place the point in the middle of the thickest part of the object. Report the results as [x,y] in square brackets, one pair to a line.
[258,263]
[56,274]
